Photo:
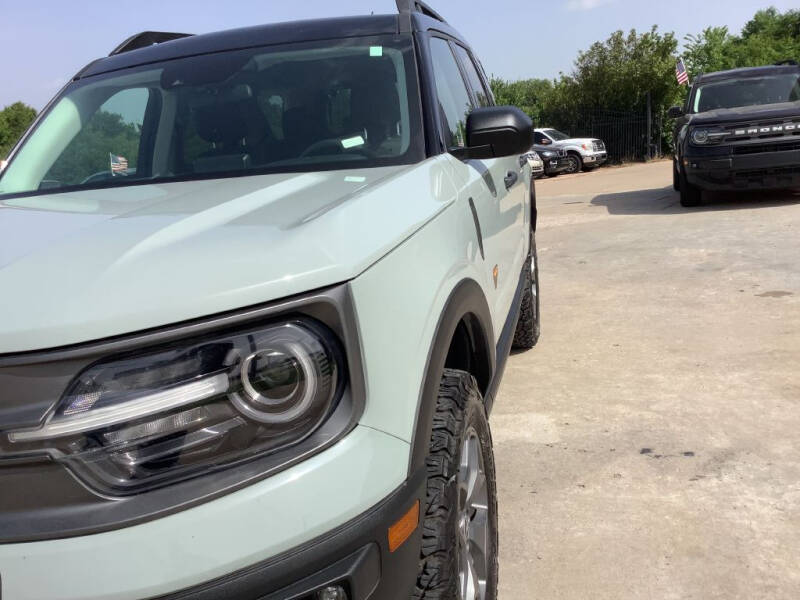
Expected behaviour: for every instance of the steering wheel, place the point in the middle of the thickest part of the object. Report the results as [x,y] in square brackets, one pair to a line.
[332,146]
[97,177]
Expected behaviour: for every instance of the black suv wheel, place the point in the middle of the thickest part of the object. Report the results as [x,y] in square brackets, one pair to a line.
[676,176]
[690,195]
[575,163]
[529,325]
[459,538]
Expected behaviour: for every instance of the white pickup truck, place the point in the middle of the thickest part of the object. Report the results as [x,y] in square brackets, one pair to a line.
[582,153]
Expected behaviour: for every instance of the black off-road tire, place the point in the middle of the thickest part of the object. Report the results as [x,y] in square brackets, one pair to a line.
[676,176]
[459,410]
[529,326]
[690,195]
[576,163]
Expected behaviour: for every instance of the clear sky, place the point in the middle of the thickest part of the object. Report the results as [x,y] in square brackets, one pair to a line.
[44,42]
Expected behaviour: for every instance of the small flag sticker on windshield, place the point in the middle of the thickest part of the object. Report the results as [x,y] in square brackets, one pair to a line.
[119,164]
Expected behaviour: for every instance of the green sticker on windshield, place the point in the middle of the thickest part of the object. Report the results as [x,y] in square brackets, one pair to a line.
[376,51]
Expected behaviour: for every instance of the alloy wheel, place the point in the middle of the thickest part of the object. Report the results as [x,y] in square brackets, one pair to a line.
[573,164]
[473,521]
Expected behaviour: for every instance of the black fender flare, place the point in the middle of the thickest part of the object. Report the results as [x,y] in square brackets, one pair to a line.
[466,300]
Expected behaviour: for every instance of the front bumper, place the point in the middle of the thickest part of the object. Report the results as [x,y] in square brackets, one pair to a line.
[554,166]
[595,159]
[778,169]
[356,557]
[227,548]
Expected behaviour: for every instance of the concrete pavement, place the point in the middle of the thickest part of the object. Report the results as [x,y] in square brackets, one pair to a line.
[649,447]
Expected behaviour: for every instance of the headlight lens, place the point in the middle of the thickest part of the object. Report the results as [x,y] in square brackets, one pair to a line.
[137,422]
[548,154]
[700,136]
[703,137]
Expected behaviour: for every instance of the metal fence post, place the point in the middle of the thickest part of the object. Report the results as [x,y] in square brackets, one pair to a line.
[649,129]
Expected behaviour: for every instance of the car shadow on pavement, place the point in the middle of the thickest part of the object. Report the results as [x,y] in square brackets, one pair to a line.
[660,201]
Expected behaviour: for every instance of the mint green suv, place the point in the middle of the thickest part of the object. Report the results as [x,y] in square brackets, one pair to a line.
[257,290]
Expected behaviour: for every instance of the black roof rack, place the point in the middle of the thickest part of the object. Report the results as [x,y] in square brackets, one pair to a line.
[416,6]
[145,39]
[789,63]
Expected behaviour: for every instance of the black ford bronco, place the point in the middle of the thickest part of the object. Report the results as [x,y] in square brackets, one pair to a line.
[739,130]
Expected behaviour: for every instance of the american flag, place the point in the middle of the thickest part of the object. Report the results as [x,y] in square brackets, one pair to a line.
[119,164]
[681,73]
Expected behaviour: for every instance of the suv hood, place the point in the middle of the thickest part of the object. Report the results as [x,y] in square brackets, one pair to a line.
[79,267]
[746,113]
[576,141]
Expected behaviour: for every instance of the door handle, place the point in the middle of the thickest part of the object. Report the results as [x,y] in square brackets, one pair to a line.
[511,179]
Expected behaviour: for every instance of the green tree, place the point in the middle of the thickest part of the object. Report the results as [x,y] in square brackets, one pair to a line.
[770,36]
[614,75]
[612,80]
[531,95]
[618,73]
[14,121]
[709,51]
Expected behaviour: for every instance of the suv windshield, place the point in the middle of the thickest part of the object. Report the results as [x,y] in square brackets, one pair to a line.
[747,91]
[556,135]
[350,103]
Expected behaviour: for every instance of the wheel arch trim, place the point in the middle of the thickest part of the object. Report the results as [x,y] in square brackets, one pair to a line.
[466,300]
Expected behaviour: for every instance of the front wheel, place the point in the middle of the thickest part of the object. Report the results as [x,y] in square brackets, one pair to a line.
[459,540]
[690,195]
[575,164]
[529,326]
[676,176]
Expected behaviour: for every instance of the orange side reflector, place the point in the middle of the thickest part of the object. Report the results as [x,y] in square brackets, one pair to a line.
[402,530]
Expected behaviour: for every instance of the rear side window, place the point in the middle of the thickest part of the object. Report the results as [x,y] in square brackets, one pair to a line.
[475,81]
[454,99]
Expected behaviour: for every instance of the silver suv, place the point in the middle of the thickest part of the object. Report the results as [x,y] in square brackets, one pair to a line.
[258,291]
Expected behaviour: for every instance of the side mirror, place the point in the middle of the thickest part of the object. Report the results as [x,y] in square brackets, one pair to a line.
[498,131]
[546,141]
[675,112]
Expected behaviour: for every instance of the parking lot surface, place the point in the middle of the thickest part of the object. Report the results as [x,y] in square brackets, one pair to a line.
[649,447]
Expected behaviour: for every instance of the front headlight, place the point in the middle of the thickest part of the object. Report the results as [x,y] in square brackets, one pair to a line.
[700,136]
[704,136]
[548,154]
[136,422]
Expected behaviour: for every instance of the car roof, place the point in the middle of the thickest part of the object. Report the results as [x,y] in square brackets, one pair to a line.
[269,34]
[748,72]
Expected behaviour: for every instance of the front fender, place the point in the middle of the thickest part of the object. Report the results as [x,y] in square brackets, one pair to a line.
[401,302]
